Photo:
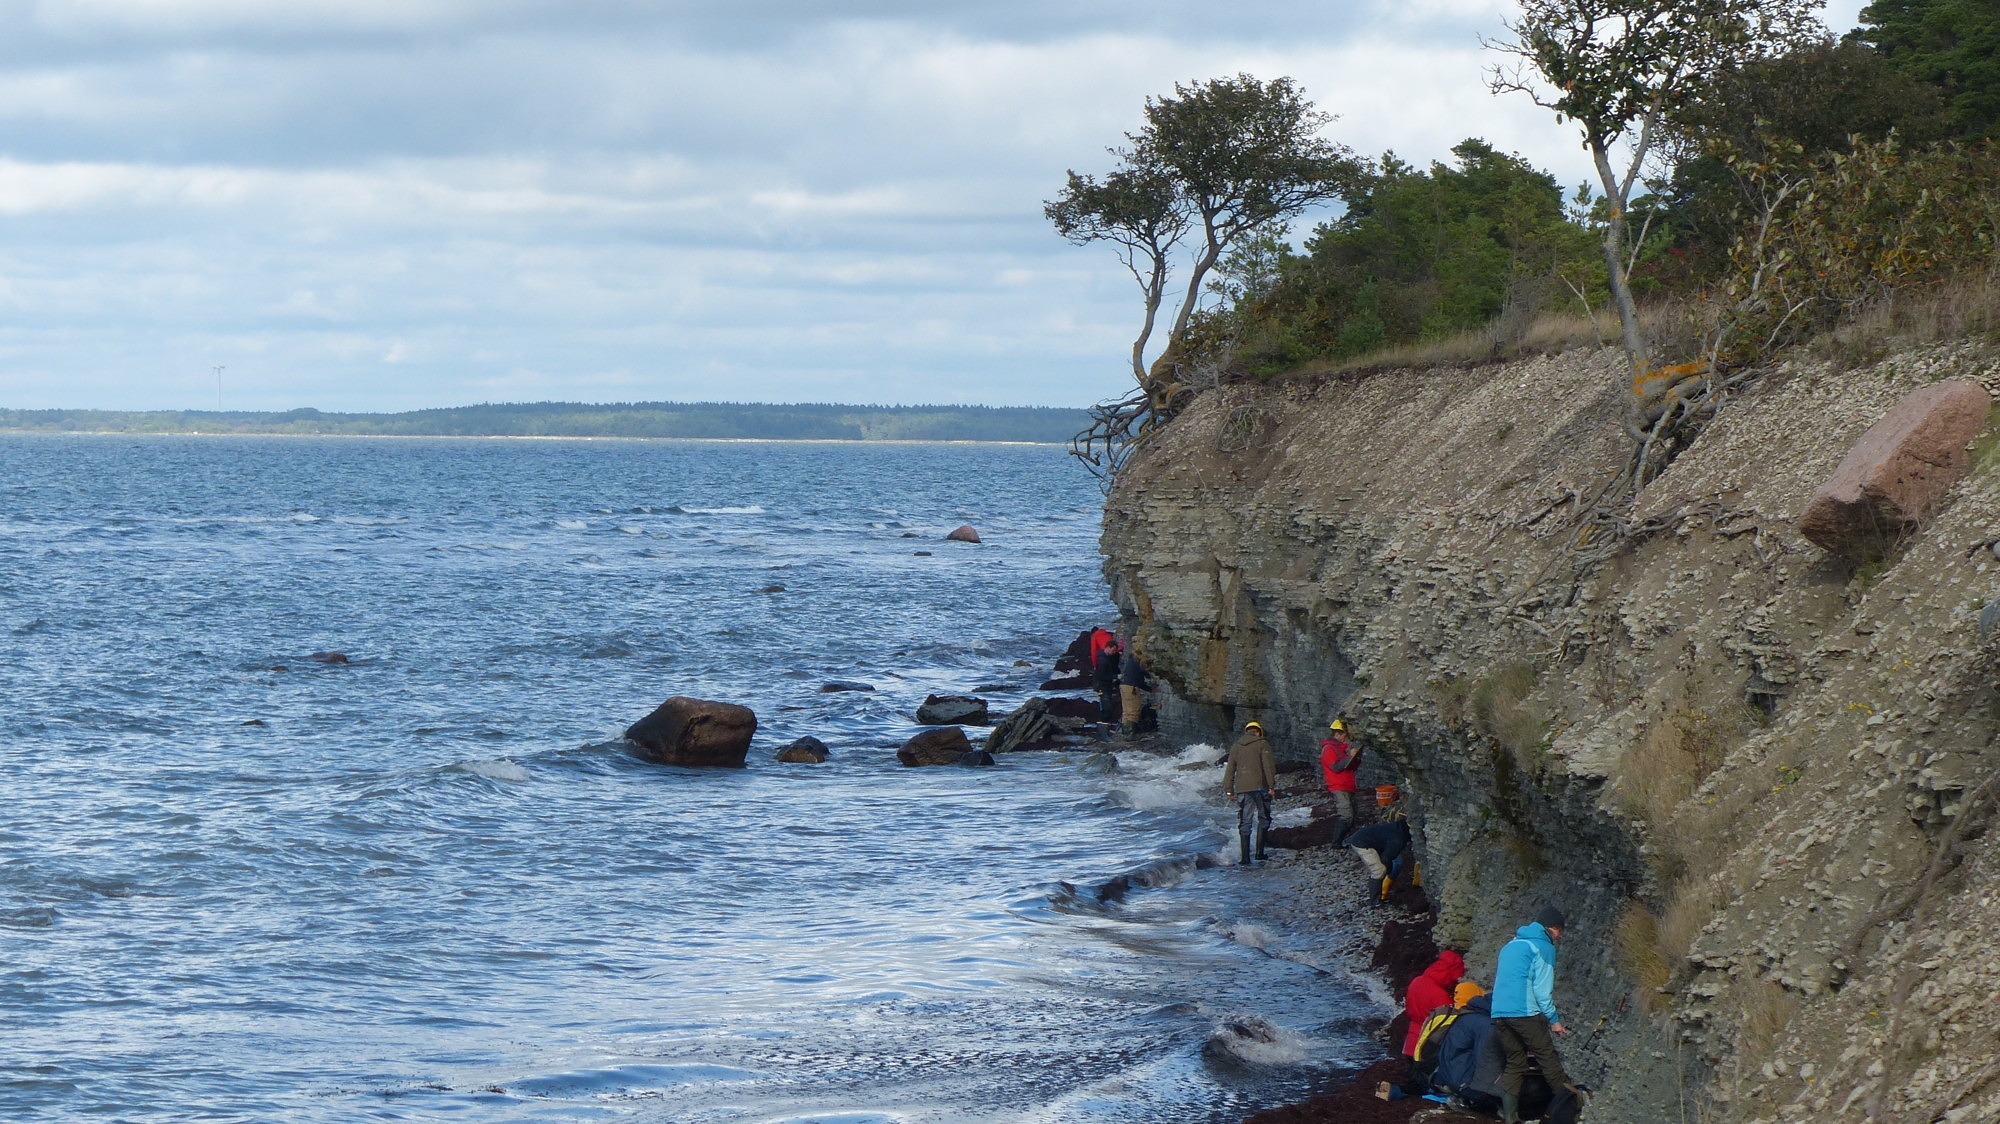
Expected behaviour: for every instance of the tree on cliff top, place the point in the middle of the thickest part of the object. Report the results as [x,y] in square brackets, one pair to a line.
[1953,44]
[1619,69]
[1220,160]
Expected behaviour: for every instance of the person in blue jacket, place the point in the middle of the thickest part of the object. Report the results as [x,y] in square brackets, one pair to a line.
[1524,1008]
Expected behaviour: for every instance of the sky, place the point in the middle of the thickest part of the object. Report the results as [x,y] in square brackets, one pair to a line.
[398,204]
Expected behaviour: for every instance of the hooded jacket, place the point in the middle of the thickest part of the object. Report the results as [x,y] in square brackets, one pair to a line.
[1458,1058]
[1428,992]
[1525,981]
[1250,766]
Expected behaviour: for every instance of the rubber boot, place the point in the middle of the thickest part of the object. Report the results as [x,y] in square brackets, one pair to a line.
[1510,1108]
[1243,841]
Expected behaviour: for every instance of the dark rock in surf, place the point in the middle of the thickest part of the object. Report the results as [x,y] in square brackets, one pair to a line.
[772,589]
[989,688]
[1076,658]
[964,533]
[252,722]
[920,554]
[1099,764]
[685,731]
[1316,833]
[843,685]
[329,657]
[1031,727]
[911,535]
[974,758]
[1079,710]
[953,710]
[942,745]
[1067,683]
[808,750]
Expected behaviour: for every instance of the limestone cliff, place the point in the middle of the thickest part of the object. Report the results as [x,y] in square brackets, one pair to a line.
[1747,770]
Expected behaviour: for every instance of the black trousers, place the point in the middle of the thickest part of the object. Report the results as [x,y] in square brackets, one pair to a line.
[1521,1037]
[1253,819]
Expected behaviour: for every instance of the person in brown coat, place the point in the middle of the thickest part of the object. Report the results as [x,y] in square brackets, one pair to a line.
[1248,779]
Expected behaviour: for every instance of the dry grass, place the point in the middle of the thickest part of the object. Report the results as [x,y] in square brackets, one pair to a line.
[1767,1010]
[1638,944]
[1676,754]
[1500,709]
[1694,903]
[1668,324]
[1963,307]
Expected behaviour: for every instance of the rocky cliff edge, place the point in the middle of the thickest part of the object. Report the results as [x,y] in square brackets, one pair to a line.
[1753,774]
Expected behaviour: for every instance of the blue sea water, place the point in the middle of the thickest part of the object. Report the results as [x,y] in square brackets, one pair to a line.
[431,883]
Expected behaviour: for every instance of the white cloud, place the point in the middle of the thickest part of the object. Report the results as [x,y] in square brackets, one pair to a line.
[397,203]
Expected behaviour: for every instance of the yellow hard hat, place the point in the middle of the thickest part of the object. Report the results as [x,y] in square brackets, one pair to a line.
[1253,725]
[1338,725]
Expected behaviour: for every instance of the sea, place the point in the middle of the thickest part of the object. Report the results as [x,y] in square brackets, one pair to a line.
[244,880]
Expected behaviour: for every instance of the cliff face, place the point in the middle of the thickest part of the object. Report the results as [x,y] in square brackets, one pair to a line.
[1749,772]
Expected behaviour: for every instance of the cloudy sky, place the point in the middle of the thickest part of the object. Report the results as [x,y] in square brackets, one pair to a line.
[391,204]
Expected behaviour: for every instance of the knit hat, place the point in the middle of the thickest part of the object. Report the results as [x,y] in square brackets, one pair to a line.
[1550,918]
[1466,992]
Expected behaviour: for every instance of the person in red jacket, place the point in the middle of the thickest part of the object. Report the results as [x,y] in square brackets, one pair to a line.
[1338,760]
[1428,992]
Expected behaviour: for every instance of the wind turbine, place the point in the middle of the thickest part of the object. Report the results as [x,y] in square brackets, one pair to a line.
[218,388]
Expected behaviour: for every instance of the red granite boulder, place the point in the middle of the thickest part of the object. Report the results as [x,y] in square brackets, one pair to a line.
[964,533]
[940,745]
[685,731]
[1897,473]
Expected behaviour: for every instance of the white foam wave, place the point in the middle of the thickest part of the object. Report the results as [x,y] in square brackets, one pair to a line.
[370,520]
[501,770]
[1152,783]
[572,524]
[751,509]
[1258,1041]
[631,529]
[1291,817]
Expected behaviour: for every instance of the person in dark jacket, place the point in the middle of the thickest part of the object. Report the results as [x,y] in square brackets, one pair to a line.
[1382,847]
[1465,1068]
[1132,683]
[1104,676]
[1248,778]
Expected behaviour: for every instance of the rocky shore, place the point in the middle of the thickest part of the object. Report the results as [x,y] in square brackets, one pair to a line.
[1752,769]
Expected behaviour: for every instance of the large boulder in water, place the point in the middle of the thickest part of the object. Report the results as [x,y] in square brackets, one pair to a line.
[808,750]
[1031,727]
[964,533]
[953,710]
[1898,472]
[685,731]
[975,758]
[944,745]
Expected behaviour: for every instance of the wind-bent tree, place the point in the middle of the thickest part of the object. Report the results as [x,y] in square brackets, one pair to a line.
[1220,160]
[1244,155]
[1618,68]
[1137,210]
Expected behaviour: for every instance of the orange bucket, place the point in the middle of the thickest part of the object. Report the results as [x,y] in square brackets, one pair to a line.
[1385,794]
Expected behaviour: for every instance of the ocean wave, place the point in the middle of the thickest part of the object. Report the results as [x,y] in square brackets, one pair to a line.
[1256,1041]
[571,524]
[687,509]
[1156,783]
[500,769]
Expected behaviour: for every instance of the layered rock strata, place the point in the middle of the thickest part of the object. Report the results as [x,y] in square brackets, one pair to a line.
[1753,773]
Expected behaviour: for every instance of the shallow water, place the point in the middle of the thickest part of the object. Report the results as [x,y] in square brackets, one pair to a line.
[432,884]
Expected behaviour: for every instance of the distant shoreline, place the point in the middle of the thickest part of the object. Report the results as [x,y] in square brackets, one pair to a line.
[6,431]
[688,421]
